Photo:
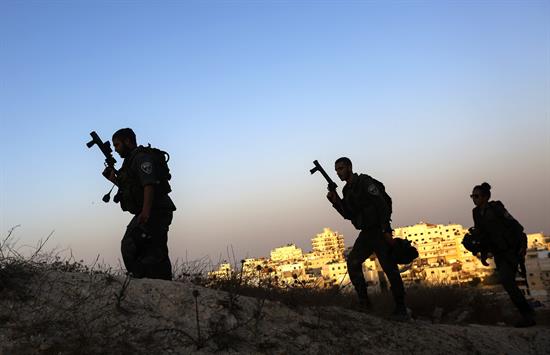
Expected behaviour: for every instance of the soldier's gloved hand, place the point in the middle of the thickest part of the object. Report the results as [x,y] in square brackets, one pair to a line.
[109,174]
[483,258]
[332,196]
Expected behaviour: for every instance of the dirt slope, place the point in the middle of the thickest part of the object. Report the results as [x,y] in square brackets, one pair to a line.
[69,313]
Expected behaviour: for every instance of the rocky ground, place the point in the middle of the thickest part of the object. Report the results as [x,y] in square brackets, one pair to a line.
[53,312]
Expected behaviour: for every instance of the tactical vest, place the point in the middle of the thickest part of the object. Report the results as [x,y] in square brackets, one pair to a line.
[362,204]
[130,191]
[500,230]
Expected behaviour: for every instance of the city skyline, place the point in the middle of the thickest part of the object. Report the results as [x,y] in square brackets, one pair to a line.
[431,98]
[348,240]
[441,259]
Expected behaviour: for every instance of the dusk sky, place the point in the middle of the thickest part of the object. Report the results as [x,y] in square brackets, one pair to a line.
[430,97]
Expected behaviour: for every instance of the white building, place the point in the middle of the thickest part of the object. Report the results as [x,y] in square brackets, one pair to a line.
[288,253]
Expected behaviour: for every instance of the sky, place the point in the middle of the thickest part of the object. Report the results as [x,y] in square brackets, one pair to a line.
[429,97]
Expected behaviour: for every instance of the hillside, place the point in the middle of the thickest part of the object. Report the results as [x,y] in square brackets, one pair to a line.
[54,312]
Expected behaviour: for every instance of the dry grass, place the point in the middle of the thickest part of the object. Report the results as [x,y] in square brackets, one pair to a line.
[37,314]
[41,311]
[451,304]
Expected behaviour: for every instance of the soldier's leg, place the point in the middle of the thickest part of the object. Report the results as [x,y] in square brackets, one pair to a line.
[362,249]
[155,260]
[507,269]
[130,250]
[382,250]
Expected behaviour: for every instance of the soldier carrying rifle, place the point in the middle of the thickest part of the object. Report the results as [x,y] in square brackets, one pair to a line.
[143,189]
[367,205]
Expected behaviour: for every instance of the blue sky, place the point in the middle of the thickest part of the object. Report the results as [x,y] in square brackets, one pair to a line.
[432,98]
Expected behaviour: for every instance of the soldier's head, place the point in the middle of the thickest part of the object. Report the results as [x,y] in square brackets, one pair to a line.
[343,168]
[124,141]
[481,194]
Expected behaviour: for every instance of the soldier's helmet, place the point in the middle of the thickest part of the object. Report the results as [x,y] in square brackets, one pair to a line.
[472,241]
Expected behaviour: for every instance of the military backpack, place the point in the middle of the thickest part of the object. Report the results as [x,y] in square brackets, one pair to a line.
[382,189]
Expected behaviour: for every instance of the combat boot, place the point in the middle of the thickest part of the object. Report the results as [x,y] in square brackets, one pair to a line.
[526,320]
[400,313]
[365,304]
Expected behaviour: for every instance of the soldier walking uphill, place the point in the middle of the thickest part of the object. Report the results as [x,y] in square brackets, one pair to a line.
[143,191]
[502,235]
[367,205]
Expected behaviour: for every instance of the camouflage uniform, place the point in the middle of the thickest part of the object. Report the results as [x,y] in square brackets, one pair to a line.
[503,236]
[365,205]
[144,247]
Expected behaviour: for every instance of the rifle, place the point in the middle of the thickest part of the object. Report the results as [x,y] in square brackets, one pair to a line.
[331,184]
[110,162]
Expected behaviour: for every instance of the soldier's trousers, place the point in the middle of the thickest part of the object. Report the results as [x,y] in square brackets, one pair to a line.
[144,248]
[507,266]
[366,243]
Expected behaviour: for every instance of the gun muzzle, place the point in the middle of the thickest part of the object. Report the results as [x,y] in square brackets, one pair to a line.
[315,168]
[331,184]
[95,140]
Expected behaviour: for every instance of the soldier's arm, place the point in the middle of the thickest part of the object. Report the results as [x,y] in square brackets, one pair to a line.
[474,217]
[483,238]
[148,196]
[338,204]
[380,203]
[144,164]
[147,177]
[110,174]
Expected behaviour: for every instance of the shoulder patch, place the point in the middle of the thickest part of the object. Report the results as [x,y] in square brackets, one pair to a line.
[147,167]
[373,190]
